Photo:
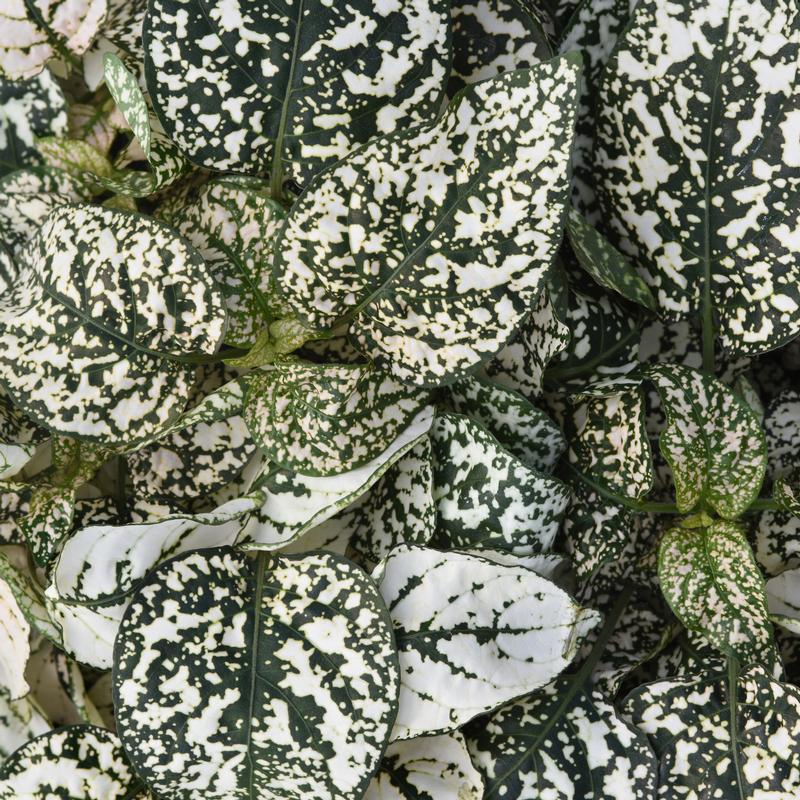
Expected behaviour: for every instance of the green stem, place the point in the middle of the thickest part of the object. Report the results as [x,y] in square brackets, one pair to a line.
[642,506]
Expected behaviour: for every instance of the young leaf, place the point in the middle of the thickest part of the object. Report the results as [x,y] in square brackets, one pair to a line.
[493,36]
[712,582]
[487,498]
[524,430]
[427,768]
[508,633]
[233,224]
[28,110]
[77,761]
[311,677]
[91,332]
[605,263]
[34,31]
[697,163]
[562,741]
[713,442]
[286,90]
[710,744]
[323,419]
[435,243]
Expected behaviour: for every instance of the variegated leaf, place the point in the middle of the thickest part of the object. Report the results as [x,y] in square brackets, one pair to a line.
[782,431]
[564,741]
[92,333]
[120,34]
[310,670]
[15,573]
[698,166]
[524,430]
[286,90]
[592,29]
[783,599]
[79,761]
[509,632]
[494,36]
[398,509]
[28,109]
[34,31]
[14,644]
[710,744]
[233,223]
[485,497]
[609,449]
[712,582]
[21,216]
[322,419]
[713,442]
[434,244]
[543,334]
[600,259]
[296,503]
[427,768]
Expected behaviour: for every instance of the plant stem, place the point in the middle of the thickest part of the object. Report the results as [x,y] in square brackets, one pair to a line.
[733,682]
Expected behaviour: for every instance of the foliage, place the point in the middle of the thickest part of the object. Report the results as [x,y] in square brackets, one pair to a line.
[399,400]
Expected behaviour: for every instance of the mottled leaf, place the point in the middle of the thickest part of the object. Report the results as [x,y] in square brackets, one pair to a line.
[28,109]
[287,89]
[713,442]
[20,721]
[485,497]
[310,687]
[79,761]
[712,582]
[509,632]
[92,332]
[14,644]
[697,162]
[494,36]
[435,243]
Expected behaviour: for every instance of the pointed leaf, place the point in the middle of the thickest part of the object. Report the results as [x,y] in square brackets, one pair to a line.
[713,442]
[87,302]
[248,88]
[712,582]
[697,162]
[509,632]
[435,243]
[310,669]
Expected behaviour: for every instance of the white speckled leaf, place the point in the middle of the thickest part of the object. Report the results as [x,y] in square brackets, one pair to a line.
[427,768]
[542,335]
[697,162]
[28,109]
[783,599]
[712,582]
[233,223]
[311,677]
[523,429]
[509,632]
[564,741]
[608,445]
[600,259]
[398,509]
[494,36]
[245,87]
[435,243]
[92,333]
[323,419]
[21,216]
[27,595]
[14,644]
[782,431]
[79,761]
[485,497]
[296,503]
[713,441]
[34,31]
[701,754]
